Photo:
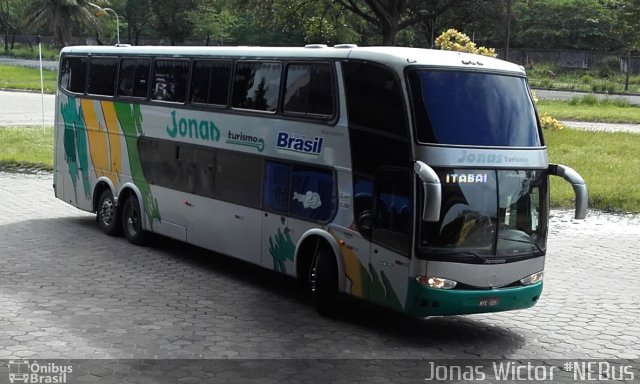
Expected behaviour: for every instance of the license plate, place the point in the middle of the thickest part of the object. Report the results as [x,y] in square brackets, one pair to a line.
[489,302]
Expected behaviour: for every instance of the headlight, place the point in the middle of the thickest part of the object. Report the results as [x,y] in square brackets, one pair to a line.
[436,282]
[535,278]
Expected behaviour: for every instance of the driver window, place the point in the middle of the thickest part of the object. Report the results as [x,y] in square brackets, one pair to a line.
[393,207]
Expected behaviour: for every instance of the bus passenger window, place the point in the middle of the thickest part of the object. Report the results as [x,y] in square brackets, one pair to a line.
[102,76]
[170,79]
[309,89]
[73,74]
[256,86]
[276,187]
[312,195]
[134,77]
[210,82]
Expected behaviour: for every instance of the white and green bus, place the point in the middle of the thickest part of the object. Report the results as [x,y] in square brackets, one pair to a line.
[411,178]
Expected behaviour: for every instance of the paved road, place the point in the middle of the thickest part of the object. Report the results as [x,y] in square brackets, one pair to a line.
[51,65]
[68,291]
[548,94]
[24,108]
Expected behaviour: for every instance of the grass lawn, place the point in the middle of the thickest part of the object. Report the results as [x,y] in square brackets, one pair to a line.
[608,162]
[26,147]
[12,77]
[600,112]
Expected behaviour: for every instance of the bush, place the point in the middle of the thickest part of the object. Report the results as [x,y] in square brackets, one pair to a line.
[549,123]
[452,40]
[23,51]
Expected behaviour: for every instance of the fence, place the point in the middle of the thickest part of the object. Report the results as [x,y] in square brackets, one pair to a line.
[575,59]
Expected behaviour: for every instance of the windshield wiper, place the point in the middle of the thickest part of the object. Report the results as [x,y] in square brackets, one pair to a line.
[530,242]
[462,253]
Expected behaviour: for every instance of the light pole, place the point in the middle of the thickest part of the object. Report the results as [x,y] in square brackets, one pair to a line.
[103,11]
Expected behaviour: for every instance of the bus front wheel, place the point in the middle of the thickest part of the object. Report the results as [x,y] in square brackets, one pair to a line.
[108,214]
[132,221]
[324,282]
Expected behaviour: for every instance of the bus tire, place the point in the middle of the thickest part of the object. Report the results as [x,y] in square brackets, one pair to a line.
[107,214]
[324,283]
[132,221]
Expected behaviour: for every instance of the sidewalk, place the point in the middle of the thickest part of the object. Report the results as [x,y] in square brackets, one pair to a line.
[605,127]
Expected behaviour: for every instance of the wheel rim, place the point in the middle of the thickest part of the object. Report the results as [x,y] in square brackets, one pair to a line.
[133,221]
[106,212]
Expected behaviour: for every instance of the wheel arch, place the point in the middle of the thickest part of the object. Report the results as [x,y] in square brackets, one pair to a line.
[310,242]
[101,185]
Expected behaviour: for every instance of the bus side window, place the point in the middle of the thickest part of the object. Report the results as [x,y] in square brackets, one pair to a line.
[256,86]
[102,76]
[134,77]
[309,90]
[312,194]
[276,187]
[170,78]
[73,74]
[210,82]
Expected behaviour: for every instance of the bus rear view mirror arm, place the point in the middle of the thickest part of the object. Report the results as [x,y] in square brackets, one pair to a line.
[578,184]
[432,191]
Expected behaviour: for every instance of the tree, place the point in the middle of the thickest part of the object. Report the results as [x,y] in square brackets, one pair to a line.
[212,21]
[386,15]
[566,24]
[9,21]
[61,15]
[172,19]
[137,15]
[628,31]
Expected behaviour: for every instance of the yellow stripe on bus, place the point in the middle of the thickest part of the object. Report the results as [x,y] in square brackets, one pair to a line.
[111,119]
[97,138]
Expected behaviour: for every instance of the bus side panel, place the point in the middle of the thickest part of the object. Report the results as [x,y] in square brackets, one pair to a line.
[227,228]
[98,138]
[73,154]
[280,235]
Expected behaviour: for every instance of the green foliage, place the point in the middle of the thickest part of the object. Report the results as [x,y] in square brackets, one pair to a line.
[172,19]
[566,24]
[453,40]
[211,22]
[24,51]
[59,16]
[553,77]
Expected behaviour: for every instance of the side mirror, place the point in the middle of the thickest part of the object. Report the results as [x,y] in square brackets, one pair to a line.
[578,184]
[432,191]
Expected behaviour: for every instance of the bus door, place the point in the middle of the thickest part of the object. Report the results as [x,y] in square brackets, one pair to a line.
[391,237]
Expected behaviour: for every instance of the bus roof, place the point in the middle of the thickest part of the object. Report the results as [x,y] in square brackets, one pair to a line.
[394,56]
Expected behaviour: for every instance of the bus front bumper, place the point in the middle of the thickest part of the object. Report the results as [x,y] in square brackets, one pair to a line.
[423,301]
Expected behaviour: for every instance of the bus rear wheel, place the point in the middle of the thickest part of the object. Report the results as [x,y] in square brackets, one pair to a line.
[108,214]
[324,283]
[132,221]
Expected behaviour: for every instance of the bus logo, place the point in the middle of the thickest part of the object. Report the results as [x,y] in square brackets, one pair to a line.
[292,142]
[18,371]
[193,128]
[246,140]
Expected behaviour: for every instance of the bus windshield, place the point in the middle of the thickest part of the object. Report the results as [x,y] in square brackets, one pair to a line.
[472,108]
[488,213]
